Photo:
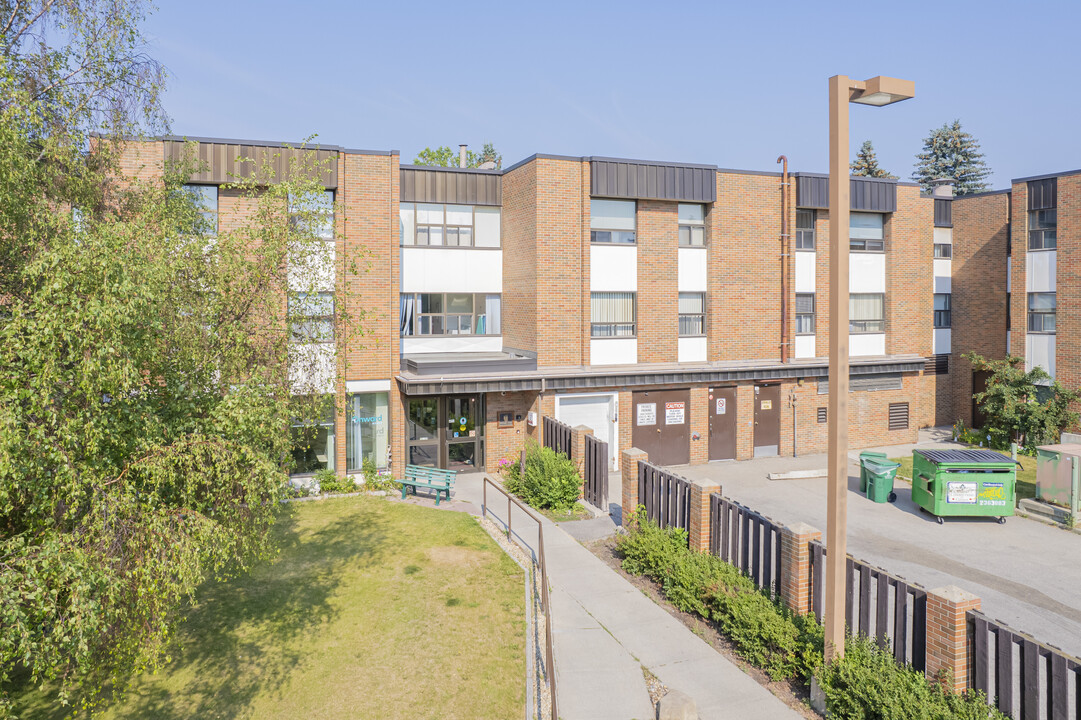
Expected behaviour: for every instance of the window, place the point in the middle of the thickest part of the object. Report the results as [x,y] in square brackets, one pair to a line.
[205,199]
[612,221]
[612,314]
[311,318]
[692,314]
[367,431]
[450,314]
[943,250]
[315,210]
[865,232]
[805,229]
[1041,312]
[1043,229]
[867,313]
[313,439]
[942,310]
[449,225]
[805,313]
[692,225]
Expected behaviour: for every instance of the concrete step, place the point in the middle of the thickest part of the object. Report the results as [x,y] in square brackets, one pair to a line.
[1046,511]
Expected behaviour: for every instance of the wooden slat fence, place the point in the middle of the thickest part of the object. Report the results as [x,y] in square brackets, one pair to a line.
[1022,677]
[557,435]
[595,469]
[666,497]
[877,605]
[746,539]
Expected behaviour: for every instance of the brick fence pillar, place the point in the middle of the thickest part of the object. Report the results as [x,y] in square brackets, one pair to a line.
[699,514]
[796,566]
[947,634]
[628,462]
[578,447]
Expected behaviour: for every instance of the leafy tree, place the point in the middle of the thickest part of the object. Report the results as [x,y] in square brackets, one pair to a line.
[1024,407]
[866,164]
[950,152]
[445,156]
[145,397]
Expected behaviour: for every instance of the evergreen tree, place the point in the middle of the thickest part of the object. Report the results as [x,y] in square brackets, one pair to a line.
[950,152]
[866,164]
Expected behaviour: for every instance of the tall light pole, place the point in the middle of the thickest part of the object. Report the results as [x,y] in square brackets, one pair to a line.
[876,91]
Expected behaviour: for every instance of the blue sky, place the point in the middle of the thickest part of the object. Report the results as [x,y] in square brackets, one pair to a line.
[732,84]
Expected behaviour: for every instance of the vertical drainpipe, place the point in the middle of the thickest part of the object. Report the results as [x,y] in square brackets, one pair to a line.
[784,258]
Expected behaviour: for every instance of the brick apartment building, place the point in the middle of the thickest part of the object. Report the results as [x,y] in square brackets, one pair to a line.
[671,307]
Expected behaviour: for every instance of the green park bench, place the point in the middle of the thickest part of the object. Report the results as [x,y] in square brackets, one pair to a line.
[418,476]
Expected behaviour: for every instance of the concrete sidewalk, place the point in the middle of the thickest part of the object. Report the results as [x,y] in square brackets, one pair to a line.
[1026,573]
[605,630]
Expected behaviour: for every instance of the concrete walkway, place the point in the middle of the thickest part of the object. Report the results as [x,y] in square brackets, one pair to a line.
[605,630]
[1026,573]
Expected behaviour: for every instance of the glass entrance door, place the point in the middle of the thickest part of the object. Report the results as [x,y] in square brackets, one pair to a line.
[446,432]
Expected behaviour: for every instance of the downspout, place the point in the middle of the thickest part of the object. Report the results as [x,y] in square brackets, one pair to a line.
[784,259]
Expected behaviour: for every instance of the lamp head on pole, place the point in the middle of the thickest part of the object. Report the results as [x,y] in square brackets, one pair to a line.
[881,90]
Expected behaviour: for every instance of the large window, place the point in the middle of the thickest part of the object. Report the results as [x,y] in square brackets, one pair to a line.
[1043,229]
[867,313]
[367,433]
[449,225]
[805,229]
[943,250]
[1041,312]
[315,210]
[865,232]
[692,225]
[805,313]
[943,312]
[311,318]
[612,221]
[450,314]
[313,440]
[612,314]
[692,314]
[205,198]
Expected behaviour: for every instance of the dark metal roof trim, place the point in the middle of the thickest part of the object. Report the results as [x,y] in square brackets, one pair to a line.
[253,143]
[656,163]
[652,181]
[868,194]
[439,168]
[1064,173]
[454,366]
[450,185]
[982,194]
[735,171]
[615,378]
[541,156]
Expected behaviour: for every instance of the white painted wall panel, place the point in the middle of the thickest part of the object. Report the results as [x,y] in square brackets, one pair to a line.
[692,349]
[692,270]
[1040,350]
[613,351]
[867,272]
[942,340]
[431,269]
[805,346]
[451,344]
[943,276]
[311,369]
[867,344]
[943,235]
[613,268]
[1040,271]
[805,272]
[367,386]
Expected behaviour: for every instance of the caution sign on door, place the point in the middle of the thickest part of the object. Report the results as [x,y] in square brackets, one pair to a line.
[674,413]
[722,406]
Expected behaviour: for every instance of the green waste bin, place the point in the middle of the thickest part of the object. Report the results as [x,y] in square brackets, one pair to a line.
[871,454]
[880,474]
[964,483]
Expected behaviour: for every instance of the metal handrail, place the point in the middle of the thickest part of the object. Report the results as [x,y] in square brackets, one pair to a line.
[549,655]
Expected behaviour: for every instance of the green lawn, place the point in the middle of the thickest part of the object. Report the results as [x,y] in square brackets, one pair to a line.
[373,609]
[1026,478]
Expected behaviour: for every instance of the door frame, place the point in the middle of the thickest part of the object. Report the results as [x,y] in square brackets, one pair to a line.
[735,421]
[754,418]
[442,439]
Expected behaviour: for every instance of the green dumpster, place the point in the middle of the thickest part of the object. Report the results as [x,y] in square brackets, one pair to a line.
[963,483]
[880,474]
[863,470]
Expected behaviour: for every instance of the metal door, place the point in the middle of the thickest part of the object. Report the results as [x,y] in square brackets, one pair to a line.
[979,385]
[662,425]
[767,420]
[722,423]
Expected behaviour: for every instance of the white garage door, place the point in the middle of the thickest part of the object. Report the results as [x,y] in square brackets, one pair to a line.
[593,411]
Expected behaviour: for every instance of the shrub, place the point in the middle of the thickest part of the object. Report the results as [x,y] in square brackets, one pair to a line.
[550,480]
[330,482]
[868,683]
[375,480]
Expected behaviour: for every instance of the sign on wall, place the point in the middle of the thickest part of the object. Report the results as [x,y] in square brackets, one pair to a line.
[674,413]
[647,413]
[722,406]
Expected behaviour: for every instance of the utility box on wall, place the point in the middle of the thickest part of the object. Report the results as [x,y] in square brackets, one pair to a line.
[1055,472]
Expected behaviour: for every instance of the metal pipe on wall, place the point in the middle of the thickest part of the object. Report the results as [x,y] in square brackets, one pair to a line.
[784,257]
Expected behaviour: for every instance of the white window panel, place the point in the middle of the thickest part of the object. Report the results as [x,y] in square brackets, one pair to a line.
[1040,270]
[1040,350]
[867,344]
[692,349]
[613,268]
[805,271]
[406,223]
[487,227]
[943,235]
[613,351]
[429,214]
[612,214]
[867,273]
[435,269]
[459,214]
[805,346]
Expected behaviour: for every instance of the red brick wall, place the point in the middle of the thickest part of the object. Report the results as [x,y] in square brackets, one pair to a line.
[1068,284]
[519,226]
[658,270]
